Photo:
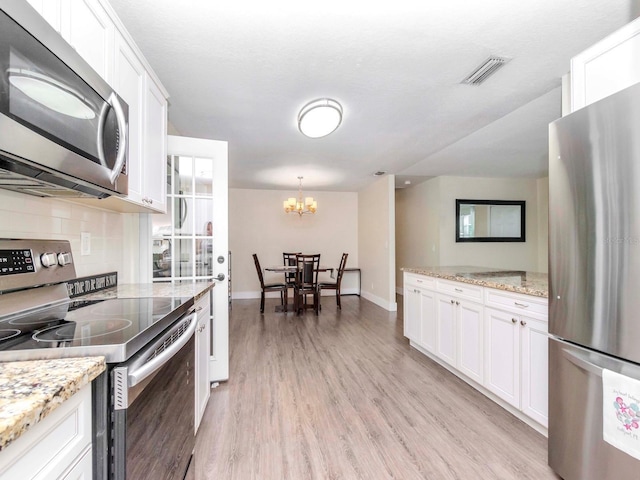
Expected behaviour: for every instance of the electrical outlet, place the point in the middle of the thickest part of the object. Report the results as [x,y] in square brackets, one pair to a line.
[85,243]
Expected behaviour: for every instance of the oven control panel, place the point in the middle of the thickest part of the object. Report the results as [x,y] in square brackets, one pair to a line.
[29,262]
[16,261]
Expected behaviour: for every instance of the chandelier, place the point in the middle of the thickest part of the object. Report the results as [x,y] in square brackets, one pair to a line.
[302,205]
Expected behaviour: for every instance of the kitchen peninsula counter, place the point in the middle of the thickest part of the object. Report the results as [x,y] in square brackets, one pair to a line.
[31,390]
[518,281]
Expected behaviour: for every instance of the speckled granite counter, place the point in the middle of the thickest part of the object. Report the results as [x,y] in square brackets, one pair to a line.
[529,283]
[160,289]
[29,391]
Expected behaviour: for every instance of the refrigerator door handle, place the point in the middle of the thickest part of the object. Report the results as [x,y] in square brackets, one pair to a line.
[582,363]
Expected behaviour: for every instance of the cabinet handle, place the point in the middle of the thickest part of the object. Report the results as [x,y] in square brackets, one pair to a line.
[458,290]
[513,320]
[523,305]
[457,303]
[523,323]
[452,302]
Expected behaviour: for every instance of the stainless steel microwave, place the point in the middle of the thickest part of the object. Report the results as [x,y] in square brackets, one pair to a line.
[63,129]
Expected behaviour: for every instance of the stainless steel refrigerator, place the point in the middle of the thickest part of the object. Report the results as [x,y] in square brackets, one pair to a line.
[594,290]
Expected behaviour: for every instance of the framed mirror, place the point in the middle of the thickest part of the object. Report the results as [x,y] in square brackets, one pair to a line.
[490,220]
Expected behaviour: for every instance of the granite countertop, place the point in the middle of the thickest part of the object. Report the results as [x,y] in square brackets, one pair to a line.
[31,390]
[519,281]
[159,289]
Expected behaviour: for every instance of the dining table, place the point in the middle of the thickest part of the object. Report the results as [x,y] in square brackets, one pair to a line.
[291,269]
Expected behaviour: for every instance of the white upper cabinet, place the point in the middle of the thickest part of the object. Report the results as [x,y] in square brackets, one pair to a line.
[607,67]
[89,30]
[154,161]
[128,81]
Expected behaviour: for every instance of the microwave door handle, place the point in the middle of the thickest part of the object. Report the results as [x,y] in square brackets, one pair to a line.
[122,127]
[139,372]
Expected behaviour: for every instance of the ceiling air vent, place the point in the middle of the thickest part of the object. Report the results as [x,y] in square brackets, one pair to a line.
[485,69]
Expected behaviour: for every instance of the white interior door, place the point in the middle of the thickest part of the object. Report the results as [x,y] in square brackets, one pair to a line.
[201,150]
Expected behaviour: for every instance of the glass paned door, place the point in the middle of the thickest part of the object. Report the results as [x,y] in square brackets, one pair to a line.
[190,241]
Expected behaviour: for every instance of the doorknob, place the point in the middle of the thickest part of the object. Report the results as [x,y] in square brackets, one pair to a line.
[220,277]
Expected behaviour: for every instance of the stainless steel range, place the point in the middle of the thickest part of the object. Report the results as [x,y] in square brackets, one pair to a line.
[141,429]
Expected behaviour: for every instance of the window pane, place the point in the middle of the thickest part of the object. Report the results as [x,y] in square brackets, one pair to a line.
[204,176]
[183,175]
[184,258]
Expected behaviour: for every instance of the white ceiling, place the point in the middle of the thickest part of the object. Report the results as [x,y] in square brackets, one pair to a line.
[240,70]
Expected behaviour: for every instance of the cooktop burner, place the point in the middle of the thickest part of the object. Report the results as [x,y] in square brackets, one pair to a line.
[115,328]
[89,330]
[8,333]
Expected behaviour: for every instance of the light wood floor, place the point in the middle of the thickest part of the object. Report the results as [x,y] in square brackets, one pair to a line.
[343,396]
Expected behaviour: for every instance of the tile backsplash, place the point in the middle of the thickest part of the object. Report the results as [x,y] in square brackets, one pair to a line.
[25,216]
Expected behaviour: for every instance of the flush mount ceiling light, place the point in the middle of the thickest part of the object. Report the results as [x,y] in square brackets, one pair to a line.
[320,117]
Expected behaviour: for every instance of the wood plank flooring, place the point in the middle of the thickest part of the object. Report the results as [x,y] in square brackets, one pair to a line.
[343,396]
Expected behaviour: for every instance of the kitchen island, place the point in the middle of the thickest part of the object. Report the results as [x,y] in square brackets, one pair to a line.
[487,326]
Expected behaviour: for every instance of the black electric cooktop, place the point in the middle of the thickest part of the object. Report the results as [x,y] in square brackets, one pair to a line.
[115,328]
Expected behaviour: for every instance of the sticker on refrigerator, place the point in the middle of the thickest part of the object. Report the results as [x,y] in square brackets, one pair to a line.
[621,412]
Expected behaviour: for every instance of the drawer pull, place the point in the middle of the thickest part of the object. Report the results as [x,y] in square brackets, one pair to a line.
[458,290]
[457,303]
[523,305]
[453,301]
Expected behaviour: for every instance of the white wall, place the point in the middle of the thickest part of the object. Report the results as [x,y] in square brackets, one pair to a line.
[376,247]
[258,224]
[509,255]
[417,235]
[25,216]
[426,224]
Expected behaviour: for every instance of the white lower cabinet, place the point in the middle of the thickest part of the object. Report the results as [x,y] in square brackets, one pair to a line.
[420,313]
[203,337]
[496,339]
[460,335]
[516,361]
[58,447]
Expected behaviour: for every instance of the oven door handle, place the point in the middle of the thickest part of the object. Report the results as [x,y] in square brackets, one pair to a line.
[142,367]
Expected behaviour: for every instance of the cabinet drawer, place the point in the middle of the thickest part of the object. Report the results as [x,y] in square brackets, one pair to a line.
[48,449]
[515,302]
[460,289]
[421,281]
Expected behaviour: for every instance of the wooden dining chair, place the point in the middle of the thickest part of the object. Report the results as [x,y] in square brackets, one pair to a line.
[334,285]
[269,287]
[289,260]
[306,282]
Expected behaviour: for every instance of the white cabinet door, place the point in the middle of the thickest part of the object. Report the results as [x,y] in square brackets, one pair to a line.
[535,372]
[446,329]
[129,84]
[83,470]
[203,335]
[470,339]
[502,355]
[155,147]
[88,28]
[412,314]
[607,67]
[428,320]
